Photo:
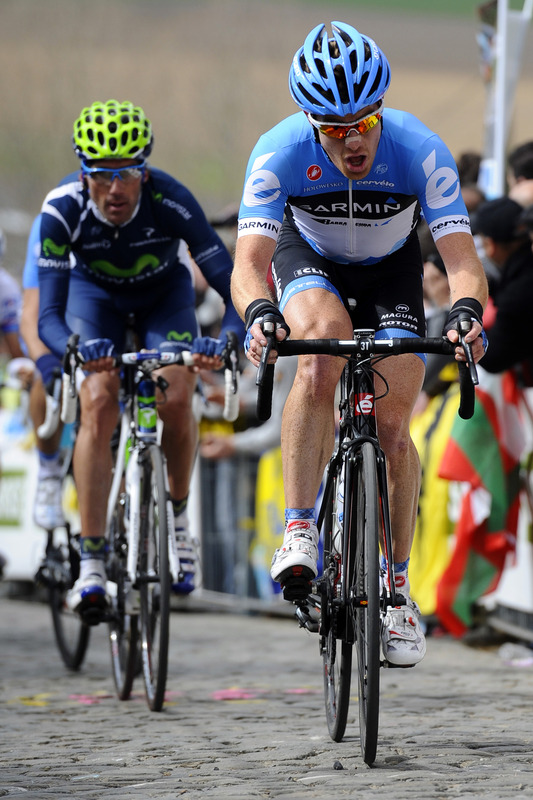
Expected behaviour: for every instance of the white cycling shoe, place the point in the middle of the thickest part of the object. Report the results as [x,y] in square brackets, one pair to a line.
[402,638]
[88,598]
[298,555]
[48,507]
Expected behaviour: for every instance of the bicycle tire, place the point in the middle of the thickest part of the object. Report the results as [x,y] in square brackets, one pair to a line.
[62,566]
[123,627]
[365,508]
[337,666]
[154,582]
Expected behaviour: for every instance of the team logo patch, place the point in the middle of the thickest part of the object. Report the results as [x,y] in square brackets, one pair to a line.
[364,405]
[314,172]
[402,308]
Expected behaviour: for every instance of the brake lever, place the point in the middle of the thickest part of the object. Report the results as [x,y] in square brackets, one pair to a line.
[269,329]
[464,328]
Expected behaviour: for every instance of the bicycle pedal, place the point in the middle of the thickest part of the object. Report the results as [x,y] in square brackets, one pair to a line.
[295,587]
[93,609]
[308,615]
[387,665]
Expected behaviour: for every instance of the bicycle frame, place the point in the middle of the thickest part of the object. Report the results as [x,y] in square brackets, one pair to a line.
[138,432]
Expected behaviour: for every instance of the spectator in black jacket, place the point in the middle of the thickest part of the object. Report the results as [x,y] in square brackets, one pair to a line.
[507,319]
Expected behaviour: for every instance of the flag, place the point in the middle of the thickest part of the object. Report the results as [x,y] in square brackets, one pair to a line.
[430,553]
[484,454]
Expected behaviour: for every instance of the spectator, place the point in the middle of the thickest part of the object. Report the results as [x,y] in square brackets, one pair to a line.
[507,318]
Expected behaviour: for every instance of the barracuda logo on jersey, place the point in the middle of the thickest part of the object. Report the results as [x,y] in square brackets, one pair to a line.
[262,186]
[442,186]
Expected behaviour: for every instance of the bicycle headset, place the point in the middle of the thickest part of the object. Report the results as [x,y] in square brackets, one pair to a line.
[340,75]
[112,130]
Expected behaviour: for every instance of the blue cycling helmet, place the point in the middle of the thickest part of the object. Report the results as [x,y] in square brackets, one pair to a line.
[338,75]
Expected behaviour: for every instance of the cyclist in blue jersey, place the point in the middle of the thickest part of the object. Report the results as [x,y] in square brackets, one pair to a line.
[126,224]
[331,199]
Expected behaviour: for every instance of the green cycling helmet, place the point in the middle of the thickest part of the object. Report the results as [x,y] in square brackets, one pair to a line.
[112,130]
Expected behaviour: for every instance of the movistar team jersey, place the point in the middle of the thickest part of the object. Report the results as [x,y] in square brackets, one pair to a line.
[134,256]
[352,221]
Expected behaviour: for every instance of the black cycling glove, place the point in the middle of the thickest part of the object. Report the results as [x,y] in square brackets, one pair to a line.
[256,312]
[466,305]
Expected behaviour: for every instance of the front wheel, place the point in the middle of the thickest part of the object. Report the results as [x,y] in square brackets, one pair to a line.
[365,509]
[154,579]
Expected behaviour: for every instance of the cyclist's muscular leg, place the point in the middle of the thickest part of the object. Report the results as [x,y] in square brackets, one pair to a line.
[180,432]
[404,376]
[308,427]
[307,436]
[92,454]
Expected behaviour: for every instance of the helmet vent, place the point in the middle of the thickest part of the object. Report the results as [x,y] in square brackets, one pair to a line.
[304,66]
[342,86]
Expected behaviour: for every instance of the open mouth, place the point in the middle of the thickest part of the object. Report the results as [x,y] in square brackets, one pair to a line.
[356,162]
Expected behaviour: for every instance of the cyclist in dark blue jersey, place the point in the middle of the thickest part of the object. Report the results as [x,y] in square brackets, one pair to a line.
[331,199]
[131,228]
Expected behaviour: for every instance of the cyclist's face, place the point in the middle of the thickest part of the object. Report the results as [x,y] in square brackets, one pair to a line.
[355,154]
[116,201]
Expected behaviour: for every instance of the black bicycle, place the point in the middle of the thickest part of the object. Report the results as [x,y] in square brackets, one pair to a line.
[349,600]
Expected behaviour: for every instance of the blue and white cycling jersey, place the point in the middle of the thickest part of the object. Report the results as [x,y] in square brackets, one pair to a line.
[126,260]
[353,221]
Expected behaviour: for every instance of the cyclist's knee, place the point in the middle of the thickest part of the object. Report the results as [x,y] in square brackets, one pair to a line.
[99,407]
[177,402]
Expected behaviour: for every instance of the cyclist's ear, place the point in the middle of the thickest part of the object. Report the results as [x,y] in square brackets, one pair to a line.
[146,175]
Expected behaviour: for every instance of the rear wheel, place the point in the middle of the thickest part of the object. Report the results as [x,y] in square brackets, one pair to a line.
[59,572]
[154,580]
[123,626]
[336,639]
[365,508]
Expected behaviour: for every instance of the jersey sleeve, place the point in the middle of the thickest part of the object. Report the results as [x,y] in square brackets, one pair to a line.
[266,189]
[59,213]
[436,183]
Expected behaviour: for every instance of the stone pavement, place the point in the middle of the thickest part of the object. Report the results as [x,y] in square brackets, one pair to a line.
[244,719]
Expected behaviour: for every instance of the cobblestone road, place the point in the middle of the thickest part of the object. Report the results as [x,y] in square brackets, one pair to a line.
[244,719]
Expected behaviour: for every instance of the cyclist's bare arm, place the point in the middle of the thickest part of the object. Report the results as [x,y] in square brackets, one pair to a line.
[28,324]
[467,278]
